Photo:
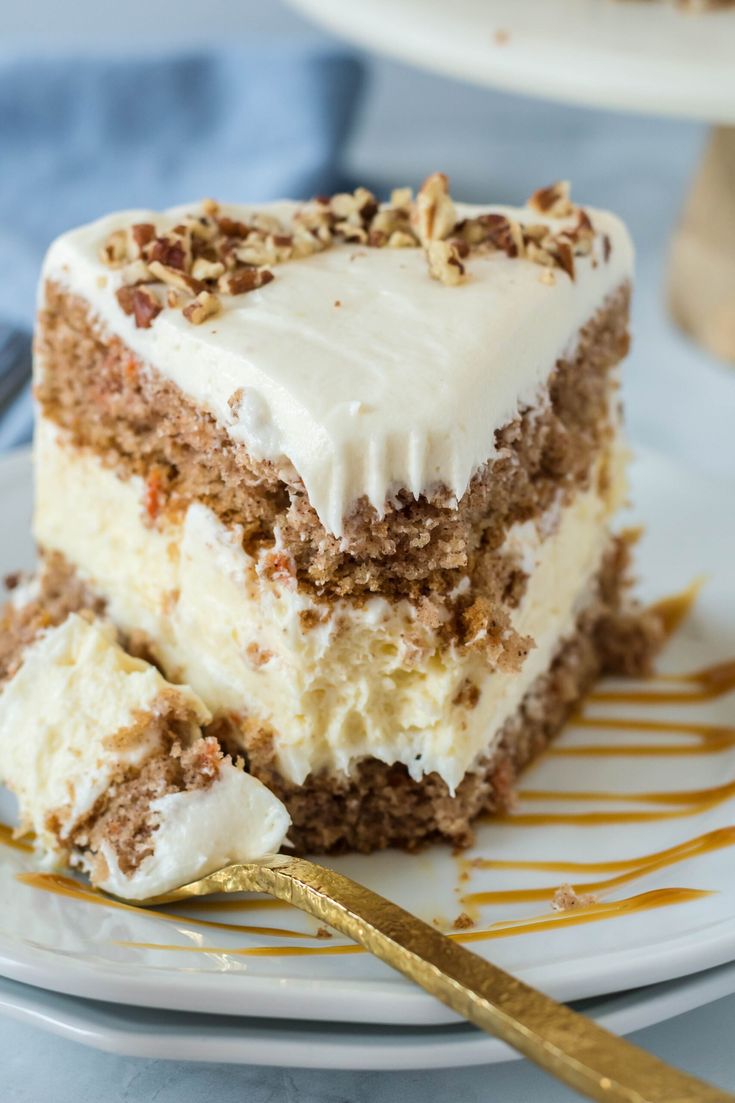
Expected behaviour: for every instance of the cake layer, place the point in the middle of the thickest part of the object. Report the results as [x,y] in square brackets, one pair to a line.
[332,684]
[110,770]
[352,367]
[140,423]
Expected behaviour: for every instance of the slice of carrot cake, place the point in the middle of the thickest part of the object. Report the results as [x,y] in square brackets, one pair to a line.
[348,470]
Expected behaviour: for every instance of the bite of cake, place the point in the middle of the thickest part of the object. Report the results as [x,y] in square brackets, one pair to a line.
[347,470]
[111,770]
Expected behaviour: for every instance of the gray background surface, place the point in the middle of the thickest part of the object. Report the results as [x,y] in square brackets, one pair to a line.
[678,400]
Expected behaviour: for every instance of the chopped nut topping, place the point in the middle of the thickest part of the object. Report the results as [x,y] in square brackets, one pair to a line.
[401,199]
[433,216]
[553,200]
[137,272]
[401,239]
[239,283]
[175,278]
[205,305]
[114,252]
[141,302]
[213,252]
[203,269]
[141,234]
[444,263]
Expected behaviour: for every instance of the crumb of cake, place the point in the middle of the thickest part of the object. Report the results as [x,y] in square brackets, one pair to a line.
[322,932]
[257,656]
[567,898]
[463,922]
[467,695]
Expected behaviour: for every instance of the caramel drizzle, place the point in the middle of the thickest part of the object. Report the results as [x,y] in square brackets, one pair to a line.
[674,609]
[591,913]
[708,738]
[692,802]
[632,869]
[8,838]
[710,683]
[65,886]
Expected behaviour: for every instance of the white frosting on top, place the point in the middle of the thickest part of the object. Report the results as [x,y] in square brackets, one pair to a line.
[356,366]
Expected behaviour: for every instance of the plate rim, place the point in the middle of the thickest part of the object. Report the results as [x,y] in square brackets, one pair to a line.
[79,1020]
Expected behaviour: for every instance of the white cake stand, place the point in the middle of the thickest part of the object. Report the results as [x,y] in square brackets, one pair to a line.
[632,55]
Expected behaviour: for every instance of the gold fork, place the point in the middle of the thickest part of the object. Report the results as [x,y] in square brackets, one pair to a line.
[572,1048]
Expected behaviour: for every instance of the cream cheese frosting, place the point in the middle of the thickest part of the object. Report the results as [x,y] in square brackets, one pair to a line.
[353,366]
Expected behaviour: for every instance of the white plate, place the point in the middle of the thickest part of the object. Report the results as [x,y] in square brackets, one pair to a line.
[176,1036]
[94,949]
[634,56]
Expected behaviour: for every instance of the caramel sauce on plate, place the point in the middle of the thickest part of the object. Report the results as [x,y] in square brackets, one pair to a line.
[7,838]
[66,886]
[591,913]
[708,738]
[632,868]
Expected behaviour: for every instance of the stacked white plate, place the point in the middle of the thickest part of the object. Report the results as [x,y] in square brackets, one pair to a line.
[636,801]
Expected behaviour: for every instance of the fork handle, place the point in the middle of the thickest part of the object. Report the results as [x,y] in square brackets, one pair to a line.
[572,1048]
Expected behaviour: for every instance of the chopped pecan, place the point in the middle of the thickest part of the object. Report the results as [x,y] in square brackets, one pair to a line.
[433,216]
[114,251]
[204,306]
[203,269]
[168,251]
[175,278]
[445,264]
[141,302]
[553,200]
[141,234]
[244,280]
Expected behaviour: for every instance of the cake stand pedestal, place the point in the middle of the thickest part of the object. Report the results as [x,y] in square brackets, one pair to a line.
[702,268]
[634,56]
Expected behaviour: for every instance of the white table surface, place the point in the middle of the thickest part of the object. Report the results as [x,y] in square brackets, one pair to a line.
[678,400]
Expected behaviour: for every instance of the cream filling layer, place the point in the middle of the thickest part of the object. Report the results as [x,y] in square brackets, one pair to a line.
[366,681]
[320,367]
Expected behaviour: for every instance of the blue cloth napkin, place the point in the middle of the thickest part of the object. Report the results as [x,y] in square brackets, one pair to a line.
[83,136]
